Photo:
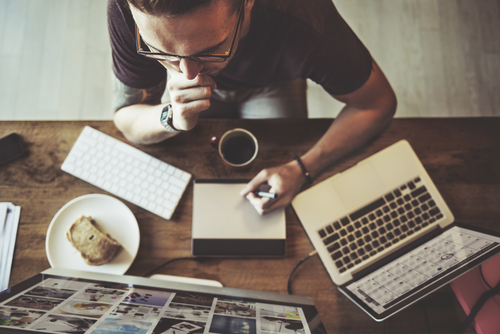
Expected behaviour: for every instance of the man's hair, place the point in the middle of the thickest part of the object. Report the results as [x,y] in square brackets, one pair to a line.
[173,7]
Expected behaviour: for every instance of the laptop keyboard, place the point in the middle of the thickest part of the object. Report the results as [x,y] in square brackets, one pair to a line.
[380,224]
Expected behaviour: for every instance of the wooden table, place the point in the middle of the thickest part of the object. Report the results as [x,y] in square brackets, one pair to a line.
[462,156]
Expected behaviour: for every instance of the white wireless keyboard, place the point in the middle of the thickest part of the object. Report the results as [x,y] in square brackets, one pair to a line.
[126,172]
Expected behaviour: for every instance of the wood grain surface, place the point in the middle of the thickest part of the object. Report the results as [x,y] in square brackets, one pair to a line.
[461,155]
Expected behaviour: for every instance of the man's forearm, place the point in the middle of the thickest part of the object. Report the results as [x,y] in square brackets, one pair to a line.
[140,123]
[351,130]
[137,112]
[367,112]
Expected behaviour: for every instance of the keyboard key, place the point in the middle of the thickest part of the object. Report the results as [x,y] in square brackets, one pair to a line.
[374,234]
[397,193]
[350,238]
[383,240]
[343,233]
[333,247]
[372,226]
[350,228]
[375,243]
[411,185]
[331,238]
[389,197]
[371,216]
[336,225]
[329,229]
[345,221]
[357,224]
[358,261]
[353,246]
[381,230]
[386,209]
[364,221]
[339,264]
[343,242]
[360,242]
[368,238]
[434,211]
[368,248]
[336,255]
[346,259]
[387,218]
[380,222]
[424,198]
[346,250]
[389,236]
[365,230]
[417,179]
[419,191]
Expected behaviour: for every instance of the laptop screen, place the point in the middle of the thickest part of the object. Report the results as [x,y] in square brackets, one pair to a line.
[76,303]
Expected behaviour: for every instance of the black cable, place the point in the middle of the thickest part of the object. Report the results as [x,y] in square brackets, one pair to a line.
[199,259]
[479,304]
[288,287]
[484,279]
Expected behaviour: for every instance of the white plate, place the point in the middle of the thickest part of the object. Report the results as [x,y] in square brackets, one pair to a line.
[111,215]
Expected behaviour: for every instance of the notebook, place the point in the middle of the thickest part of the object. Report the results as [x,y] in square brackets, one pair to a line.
[67,301]
[385,234]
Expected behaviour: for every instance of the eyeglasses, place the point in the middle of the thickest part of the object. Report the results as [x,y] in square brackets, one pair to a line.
[201,58]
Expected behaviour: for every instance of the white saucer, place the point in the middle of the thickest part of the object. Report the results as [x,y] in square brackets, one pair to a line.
[111,215]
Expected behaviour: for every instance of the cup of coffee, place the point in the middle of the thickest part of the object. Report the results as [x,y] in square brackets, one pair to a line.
[238,148]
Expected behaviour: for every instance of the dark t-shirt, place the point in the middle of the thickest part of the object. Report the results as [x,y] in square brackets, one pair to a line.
[287,40]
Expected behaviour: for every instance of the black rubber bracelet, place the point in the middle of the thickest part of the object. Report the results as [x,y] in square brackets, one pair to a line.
[304,170]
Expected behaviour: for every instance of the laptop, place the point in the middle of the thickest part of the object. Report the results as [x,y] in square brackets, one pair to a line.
[68,301]
[385,234]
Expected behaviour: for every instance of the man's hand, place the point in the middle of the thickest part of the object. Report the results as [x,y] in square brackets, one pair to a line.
[285,180]
[189,98]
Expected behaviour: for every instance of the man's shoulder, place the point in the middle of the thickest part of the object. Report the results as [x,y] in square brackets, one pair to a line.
[313,13]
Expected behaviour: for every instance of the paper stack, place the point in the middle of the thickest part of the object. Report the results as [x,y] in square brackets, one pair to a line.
[9,221]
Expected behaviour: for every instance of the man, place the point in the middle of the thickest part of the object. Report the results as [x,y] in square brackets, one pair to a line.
[223,55]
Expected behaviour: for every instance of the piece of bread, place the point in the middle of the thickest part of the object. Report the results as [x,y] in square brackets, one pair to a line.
[96,247]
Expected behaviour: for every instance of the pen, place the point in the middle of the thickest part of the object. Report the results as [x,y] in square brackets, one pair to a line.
[265,194]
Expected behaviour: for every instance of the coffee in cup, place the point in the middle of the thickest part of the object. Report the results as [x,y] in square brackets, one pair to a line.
[238,148]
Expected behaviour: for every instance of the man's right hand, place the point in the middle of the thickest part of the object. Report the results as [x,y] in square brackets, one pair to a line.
[189,97]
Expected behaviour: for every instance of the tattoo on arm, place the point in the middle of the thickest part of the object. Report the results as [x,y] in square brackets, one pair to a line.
[124,95]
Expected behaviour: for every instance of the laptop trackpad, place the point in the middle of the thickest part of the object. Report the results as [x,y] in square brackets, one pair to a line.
[358,185]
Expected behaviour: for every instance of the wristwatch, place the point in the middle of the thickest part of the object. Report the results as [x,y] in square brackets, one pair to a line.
[166,118]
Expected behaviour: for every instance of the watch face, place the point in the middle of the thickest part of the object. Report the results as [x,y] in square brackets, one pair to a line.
[164,114]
